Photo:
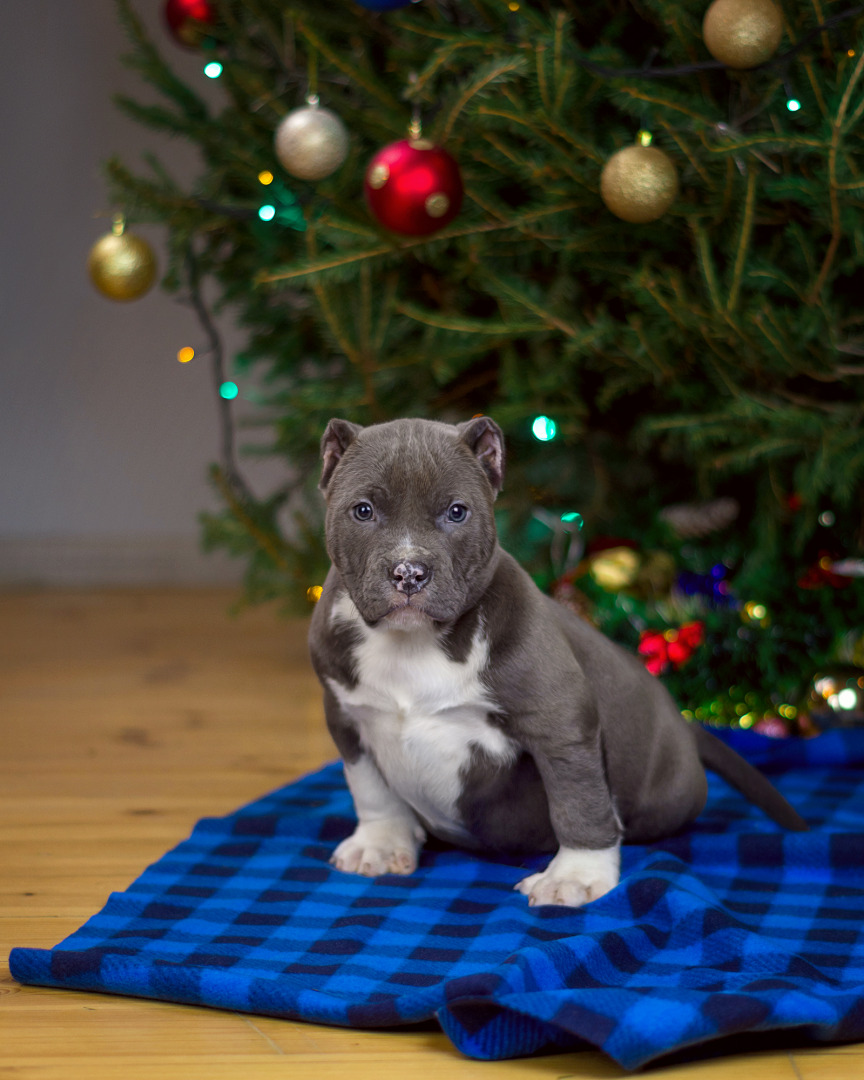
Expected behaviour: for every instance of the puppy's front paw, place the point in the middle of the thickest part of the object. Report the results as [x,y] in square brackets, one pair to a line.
[381,847]
[574,877]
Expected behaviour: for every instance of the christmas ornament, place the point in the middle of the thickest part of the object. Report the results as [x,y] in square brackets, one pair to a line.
[823,573]
[713,585]
[311,142]
[742,33]
[566,593]
[835,697]
[661,648]
[413,187]
[615,569]
[639,183]
[773,727]
[190,21]
[851,568]
[121,265]
[689,520]
[567,547]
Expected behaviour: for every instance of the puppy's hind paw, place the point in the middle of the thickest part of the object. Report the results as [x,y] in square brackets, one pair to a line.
[378,848]
[574,877]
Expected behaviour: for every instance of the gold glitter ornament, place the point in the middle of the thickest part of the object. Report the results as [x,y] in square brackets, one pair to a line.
[311,142]
[742,33]
[639,183]
[121,265]
[615,568]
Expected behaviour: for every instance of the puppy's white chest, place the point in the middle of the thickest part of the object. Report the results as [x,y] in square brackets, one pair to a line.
[421,716]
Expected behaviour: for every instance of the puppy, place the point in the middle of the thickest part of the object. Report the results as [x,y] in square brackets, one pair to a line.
[467,704]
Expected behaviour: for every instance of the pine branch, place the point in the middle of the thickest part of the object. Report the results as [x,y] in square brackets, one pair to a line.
[317,266]
[743,242]
[147,60]
[706,263]
[465,325]
[364,79]
[836,227]
[495,71]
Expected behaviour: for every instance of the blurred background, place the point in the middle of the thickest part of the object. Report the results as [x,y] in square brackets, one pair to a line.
[105,438]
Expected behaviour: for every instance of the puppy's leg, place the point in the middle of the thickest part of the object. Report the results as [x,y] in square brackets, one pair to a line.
[587,864]
[388,836]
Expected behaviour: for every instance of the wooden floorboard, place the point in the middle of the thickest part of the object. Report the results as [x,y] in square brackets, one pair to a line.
[127,715]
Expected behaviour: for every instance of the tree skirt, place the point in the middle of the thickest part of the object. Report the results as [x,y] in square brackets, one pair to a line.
[733,926]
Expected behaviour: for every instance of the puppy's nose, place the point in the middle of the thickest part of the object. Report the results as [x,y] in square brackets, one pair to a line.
[410,577]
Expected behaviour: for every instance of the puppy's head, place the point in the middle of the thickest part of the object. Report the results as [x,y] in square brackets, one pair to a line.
[410,524]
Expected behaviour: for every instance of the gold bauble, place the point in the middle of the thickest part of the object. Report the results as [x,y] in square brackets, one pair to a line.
[639,183]
[742,33]
[121,265]
[615,568]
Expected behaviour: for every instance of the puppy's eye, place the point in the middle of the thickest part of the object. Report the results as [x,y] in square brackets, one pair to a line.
[363,511]
[458,513]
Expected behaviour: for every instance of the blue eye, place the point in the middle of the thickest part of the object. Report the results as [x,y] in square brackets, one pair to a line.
[458,513]
[363,511]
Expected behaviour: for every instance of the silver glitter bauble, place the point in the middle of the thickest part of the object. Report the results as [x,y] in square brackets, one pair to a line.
[311,142]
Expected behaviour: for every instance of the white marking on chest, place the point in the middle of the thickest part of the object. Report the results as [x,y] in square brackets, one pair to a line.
[419,713]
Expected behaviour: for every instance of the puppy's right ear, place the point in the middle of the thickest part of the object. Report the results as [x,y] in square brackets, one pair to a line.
[335,441]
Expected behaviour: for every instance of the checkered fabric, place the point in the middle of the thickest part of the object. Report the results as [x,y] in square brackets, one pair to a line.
[733,926]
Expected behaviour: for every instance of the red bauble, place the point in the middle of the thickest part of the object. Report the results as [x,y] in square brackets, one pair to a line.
[413,187]
[189,21]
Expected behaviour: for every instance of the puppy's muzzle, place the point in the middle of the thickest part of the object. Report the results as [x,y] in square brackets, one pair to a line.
[410,577]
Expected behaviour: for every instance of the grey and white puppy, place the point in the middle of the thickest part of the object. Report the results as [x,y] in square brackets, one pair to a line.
[467,704]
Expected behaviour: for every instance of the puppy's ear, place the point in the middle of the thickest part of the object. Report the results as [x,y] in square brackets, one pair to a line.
[335,441]
[486,441]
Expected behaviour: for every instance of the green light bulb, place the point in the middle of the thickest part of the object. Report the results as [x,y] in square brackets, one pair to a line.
[543,428]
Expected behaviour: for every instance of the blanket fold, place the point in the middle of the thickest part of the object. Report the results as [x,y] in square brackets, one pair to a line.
[731,927]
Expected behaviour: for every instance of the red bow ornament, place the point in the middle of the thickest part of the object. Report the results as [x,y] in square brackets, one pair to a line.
[660,649]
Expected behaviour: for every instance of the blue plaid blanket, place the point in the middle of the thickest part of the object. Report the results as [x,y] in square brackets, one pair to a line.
[731,927]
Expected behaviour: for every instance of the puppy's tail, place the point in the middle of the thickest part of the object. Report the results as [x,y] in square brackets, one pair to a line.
[720,758]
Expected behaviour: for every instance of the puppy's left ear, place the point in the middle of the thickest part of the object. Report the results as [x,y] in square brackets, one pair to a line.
[335,441]
[486,442]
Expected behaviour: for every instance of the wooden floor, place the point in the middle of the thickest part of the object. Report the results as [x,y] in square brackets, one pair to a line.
[124,717]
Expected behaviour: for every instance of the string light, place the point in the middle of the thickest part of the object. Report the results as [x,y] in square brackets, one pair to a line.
[228,390]
[185,354]
[265,177]
[644,137]
[544,429]
[313,593]
[793,104]
[266,212]
[573,518]
[213,70]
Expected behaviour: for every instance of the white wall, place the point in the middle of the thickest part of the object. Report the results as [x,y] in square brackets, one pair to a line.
[104,437]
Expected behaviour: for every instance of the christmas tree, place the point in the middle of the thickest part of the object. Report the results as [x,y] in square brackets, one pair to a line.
[642,252]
